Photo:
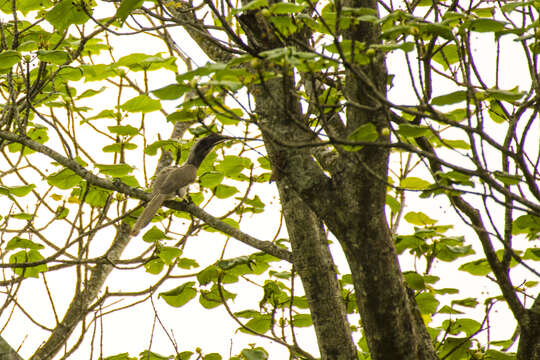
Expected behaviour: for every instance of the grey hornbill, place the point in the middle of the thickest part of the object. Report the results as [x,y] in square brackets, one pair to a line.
[174,180]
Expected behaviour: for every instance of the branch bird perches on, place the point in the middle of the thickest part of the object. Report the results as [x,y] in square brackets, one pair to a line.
[174,180]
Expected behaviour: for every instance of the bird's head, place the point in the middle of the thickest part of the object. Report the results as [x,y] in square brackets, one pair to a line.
[202,147]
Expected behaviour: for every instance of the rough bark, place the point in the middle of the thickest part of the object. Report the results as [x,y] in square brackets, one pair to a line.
[529,341]
[313,261]
[7,352]
[311,256]
[351,202]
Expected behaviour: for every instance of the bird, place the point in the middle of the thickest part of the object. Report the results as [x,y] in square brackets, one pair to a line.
[174,180]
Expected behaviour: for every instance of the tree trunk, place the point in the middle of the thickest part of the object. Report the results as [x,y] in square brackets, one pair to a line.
[529,337]
[313,261]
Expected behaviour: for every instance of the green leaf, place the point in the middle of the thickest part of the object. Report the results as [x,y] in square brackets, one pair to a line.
[532,254]
[232,165]
[446,55]
[247,314]
[448,252]
[408,242]
[454,349]
[167,145]
[363,133]
[180,295]
[123,130]
[126,7]
[20,243]
[104,114]
[144,62]
[168,254]
[123,356]
[171,92]
[468,326]
[507,179]
[527,224]
[496,112]
[478,267]
[150,355]
[283,8]
[457,115]
[505,95]
[23,216]
[409,130]
[64,179]
[183,115]
[91,92]
[264,163]
[184,355]
[252,5]
[97,196]
[142,104]
[28,257]
[61,212]
[154,266]
[65,13]
[448,310]
[302,320]
[260,324]
[441,30]
[498,355]
[154,235]
[391,45]
[69,73]
[28,5]
[98,72]
[414,280]
[227,84]
[485,25]
[228,264]
[129,180]
[449,99]
[419,218]
[414,183]
[186,263]
[8,58]
[467,302]
[509,7]
[118,147]
[427,304]
[231,117]
[255,202]
[212,356]
[208,275]
[21,191]
[431,279]
[455,144]
[211,299]
[197,198]
[114,170]
[57,57]
[254,354]
[394,205]
[225,191]
[211,179]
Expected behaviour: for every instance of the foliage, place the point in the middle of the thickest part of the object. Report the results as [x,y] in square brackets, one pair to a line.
[83,119]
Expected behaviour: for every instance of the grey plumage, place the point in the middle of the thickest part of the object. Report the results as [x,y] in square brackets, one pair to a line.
[174,180]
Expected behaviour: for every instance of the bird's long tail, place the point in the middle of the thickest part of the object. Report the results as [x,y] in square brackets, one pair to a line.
[148,213]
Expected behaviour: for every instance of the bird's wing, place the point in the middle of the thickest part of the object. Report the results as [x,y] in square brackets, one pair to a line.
[161,178]
[177,179]
[149,211]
